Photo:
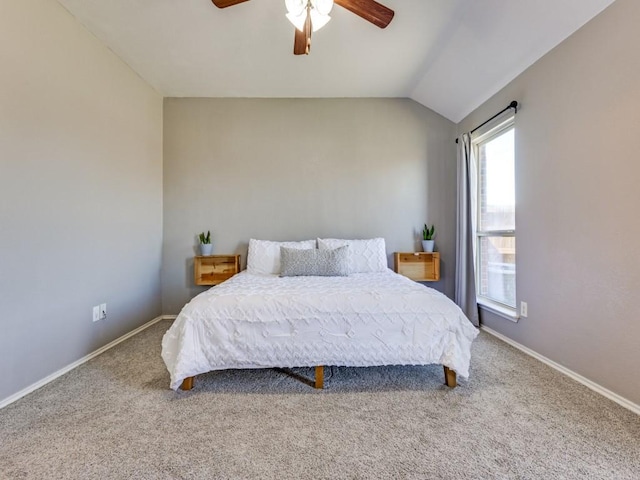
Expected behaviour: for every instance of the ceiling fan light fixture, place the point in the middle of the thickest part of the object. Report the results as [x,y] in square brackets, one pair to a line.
[318,10]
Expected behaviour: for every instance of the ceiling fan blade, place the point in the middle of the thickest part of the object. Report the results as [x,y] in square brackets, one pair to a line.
[302,39]
[227,3]
[300,43]
[370,10]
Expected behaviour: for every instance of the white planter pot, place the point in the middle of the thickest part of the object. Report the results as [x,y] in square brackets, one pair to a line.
[206,249]
[427,245]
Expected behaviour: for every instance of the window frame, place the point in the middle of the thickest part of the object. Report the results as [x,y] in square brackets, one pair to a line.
[489,134]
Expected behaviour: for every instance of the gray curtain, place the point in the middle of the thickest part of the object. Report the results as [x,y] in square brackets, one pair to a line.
[465,295]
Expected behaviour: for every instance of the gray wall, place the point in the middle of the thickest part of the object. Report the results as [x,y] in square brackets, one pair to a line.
[293,169]
[80,193]
[577,195]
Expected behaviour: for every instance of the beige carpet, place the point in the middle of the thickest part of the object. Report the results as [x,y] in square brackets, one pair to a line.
[114,417]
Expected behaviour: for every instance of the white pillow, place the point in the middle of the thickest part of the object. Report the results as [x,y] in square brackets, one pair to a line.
[365,256]
[264,255]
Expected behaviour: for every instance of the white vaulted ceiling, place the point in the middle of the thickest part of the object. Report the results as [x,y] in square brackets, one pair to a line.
[449,55]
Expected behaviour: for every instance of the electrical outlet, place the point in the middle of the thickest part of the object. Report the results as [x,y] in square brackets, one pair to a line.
[96,313]
[103,311]
[523,309]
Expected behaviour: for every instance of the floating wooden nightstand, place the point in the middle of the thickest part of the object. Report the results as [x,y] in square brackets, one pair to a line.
[215,269]
[418,266]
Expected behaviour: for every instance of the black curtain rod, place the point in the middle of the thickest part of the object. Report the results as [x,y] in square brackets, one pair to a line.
[513,105]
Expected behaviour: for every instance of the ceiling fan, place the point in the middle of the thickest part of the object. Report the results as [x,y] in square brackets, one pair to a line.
[310,15]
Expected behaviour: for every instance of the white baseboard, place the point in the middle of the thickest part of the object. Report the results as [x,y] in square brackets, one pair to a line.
[71,366]
[628,404]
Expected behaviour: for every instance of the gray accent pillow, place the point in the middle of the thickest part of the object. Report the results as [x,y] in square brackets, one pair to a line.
[314,262]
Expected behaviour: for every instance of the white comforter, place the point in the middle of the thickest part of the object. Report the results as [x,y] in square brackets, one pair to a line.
[367,319]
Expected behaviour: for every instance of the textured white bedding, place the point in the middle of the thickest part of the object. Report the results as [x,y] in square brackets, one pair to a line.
[366,319]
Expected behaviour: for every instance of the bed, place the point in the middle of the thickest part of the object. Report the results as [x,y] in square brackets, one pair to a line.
[367,315]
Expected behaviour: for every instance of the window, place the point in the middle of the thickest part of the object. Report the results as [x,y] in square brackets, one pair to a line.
[495,238]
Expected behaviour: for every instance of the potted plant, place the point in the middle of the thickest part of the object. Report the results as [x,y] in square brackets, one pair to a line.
[427,237]
[205,243]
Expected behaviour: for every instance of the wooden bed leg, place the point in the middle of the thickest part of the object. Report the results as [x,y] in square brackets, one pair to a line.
[187,384]
[319,377]
[449,377]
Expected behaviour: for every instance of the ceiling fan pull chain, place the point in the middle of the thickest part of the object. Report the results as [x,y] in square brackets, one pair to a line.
[307,29]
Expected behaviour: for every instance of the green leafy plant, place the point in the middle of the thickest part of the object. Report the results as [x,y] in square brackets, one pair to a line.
[428,232]
[205,239]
